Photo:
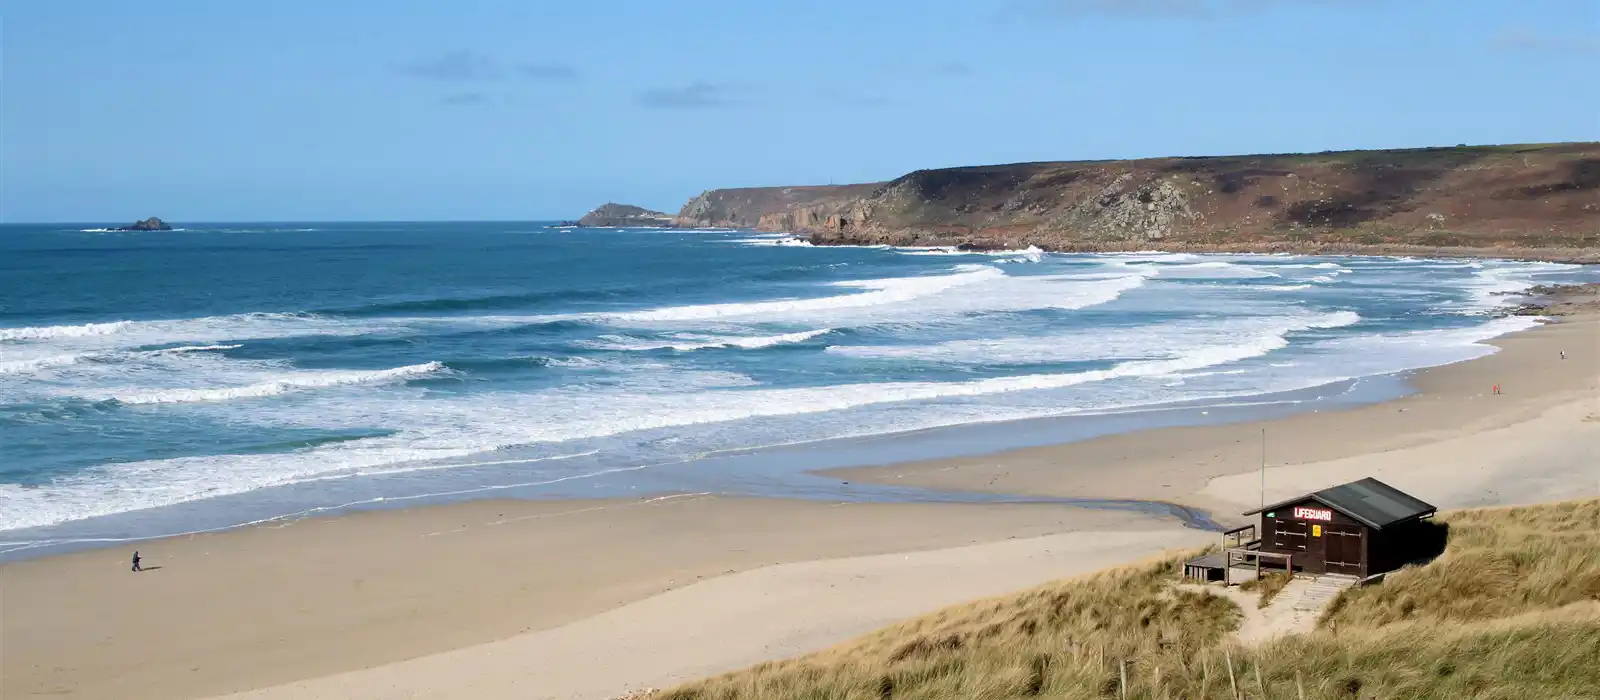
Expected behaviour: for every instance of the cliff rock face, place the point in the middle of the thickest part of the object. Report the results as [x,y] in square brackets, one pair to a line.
[745,207]
[1539,201]
[613,214]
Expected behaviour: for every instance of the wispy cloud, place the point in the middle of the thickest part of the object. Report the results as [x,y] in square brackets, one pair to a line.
[950,68]
[696,95]
[1192,9]
[549,72]
[854,101]
[1524,39]
[454,67]
[464,99]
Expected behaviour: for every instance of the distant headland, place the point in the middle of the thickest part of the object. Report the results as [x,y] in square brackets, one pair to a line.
[1533,201]
[613,214]
[150,224]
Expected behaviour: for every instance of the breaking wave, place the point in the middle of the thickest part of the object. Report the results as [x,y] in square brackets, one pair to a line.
[692,342]
[79,331]
[297,382]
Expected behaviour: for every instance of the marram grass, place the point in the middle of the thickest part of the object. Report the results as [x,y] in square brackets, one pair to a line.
[1509,611]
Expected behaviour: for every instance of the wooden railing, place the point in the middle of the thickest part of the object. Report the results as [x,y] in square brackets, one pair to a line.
[1237,539]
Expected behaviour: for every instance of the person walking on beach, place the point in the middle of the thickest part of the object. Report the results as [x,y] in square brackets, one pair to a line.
[136,566]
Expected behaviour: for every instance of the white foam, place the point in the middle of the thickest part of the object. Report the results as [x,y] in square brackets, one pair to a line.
[1495,287]
[1150,256]
[774,241]
[79,331]
[1213,270]
[1308,266]
[1367,355]
[37,364]
[1032,253]
[297,382]
[1165,341]
[205,329]
[691,342]
[880,292]
[195,348]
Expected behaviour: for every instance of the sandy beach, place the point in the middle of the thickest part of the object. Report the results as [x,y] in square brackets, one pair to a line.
[588,599]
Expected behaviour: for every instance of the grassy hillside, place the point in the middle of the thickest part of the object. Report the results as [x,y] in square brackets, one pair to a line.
[1510,610]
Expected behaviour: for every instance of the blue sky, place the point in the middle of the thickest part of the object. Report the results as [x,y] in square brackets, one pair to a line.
[496,109]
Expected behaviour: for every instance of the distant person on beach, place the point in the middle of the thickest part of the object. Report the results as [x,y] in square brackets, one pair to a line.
[1563,354]
[136,566]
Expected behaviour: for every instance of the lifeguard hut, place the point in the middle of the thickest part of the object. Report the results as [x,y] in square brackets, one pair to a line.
[1360,529]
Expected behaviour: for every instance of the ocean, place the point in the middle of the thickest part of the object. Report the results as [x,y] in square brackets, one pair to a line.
[154,383]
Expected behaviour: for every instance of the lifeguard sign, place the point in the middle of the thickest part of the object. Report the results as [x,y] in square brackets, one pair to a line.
[1303,513]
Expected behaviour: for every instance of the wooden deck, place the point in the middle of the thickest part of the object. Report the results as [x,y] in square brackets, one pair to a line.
[1241,549]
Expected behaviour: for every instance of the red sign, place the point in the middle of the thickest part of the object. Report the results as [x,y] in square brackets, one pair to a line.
[1313,514]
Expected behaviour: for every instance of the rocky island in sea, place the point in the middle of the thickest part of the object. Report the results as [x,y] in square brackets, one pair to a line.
[150,224]
[613,214]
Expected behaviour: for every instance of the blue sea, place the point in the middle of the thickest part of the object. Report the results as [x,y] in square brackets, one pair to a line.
[162,382]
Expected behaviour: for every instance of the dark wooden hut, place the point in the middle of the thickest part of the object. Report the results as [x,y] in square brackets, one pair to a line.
[1359,529]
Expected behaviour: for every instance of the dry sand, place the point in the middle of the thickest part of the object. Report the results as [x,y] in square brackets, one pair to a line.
[269,605]
[583,600]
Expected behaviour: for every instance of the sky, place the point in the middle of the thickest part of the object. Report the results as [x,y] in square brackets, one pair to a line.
[294,110]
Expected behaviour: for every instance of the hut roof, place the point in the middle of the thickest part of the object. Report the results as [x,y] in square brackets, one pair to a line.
[1369,501]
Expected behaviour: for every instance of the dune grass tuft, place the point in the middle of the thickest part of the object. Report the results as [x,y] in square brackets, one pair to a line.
[1511,609]
[1497,562]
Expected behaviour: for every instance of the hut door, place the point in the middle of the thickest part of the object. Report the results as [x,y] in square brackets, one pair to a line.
[1289,535]
[1343,549]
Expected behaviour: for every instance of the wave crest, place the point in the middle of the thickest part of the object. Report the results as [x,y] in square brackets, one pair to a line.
[616,342]
[320,380]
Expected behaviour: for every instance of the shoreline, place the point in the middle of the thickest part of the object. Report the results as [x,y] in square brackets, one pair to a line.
[1447,401]
[479,599]
[801,479]
[1572,255]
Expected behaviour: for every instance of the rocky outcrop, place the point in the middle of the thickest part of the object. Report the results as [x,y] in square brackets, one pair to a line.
[150,224]
[626,215]
[1537,201]
[1559,300]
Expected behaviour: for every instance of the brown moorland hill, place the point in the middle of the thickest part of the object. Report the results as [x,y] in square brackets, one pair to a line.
[1538,201]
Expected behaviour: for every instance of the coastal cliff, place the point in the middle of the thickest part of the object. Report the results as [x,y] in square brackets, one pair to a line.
[1528,201]
[763,207]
